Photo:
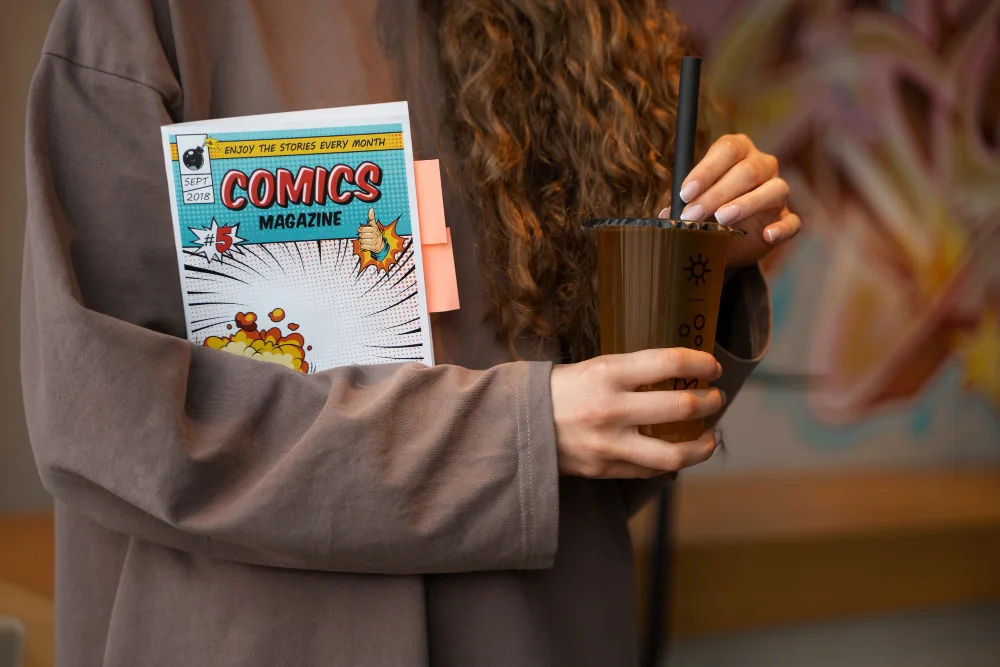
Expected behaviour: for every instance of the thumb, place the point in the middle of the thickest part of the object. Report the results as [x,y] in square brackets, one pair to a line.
[371,219]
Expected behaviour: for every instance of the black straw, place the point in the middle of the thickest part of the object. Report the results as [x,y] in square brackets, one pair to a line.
[687,123]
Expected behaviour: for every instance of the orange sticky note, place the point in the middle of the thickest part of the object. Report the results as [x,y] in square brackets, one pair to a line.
[440,282]
[430,201]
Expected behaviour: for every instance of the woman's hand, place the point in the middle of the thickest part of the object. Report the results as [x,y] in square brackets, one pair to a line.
[597,412]
[738,184]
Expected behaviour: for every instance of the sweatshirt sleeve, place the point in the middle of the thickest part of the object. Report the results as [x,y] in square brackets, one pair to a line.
[742,338]
[389,469]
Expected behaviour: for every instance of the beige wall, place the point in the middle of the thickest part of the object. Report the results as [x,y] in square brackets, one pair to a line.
[22,31]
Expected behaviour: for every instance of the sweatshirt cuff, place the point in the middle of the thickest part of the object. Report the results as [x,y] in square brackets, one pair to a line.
[538,468]
[743,333]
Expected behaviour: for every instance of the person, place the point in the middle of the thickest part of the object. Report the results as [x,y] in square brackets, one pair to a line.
[214,510]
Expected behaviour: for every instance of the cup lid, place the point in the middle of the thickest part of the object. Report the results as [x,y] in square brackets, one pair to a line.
[663,223]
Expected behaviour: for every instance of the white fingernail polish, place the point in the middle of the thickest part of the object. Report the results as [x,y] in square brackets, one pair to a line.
[665,213]
[690,191]
[727,214]
[718,437]
[692,213]
[771,236]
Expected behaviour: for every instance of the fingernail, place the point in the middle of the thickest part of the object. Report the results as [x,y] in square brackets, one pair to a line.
[690,191]
[727,214]
[692,213]
[719,442]
[725,398]
[718,373]
[665,213]
[772,235]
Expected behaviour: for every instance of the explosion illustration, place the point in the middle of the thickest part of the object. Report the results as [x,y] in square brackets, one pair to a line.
[264,345]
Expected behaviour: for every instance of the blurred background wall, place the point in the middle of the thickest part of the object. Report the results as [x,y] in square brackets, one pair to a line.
[856,518]
[26,558]
[22,30]
[886,117]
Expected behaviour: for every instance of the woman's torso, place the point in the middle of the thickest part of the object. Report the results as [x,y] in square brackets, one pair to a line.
[128,602]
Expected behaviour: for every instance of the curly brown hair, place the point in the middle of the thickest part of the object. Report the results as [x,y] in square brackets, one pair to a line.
[562,110]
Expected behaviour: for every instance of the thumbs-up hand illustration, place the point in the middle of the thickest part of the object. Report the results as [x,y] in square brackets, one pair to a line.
[370,235]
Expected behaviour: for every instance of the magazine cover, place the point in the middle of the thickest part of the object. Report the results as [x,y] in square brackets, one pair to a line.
[297,236]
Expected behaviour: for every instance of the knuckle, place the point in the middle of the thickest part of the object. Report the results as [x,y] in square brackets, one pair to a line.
[783,187]
[772,163]
[599,413]
[597,448]
[598,367]
[672,359]
[673,459]
[730,145]
[686,405]
[755,171]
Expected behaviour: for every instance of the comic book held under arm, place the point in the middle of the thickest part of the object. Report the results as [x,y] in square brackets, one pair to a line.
[297,236]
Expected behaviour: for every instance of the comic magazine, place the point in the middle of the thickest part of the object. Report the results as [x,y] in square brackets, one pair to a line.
[297,236]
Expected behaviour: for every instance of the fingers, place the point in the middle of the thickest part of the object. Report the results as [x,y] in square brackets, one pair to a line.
[635,369]
[657,454]
[784,229]
[720,158]
[771,196]
[370,238]
[664,407]
[744,177]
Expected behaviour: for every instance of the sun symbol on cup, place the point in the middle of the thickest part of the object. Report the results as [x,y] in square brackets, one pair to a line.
[697,270]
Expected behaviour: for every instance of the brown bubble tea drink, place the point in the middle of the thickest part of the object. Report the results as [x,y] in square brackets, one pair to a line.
[659,286]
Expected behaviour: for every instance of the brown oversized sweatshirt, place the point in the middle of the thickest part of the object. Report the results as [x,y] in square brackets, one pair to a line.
[217,511]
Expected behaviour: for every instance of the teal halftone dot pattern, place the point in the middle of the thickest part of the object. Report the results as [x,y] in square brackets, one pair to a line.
[393,203]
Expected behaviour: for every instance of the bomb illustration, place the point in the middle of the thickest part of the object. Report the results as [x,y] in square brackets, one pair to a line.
[194,158]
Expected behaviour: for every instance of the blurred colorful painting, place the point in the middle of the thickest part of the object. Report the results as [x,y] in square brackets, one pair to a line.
[886,117]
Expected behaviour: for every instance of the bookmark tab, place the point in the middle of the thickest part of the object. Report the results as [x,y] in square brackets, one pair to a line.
[439,276]
[440,280]
[430,201]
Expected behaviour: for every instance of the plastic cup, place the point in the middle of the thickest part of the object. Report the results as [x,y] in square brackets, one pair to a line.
[659,285]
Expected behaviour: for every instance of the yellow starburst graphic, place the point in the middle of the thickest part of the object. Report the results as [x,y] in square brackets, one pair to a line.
[395,242]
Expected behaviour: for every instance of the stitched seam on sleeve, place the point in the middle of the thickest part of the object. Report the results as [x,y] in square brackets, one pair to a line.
[520,477]
[531,482]
[101,71]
